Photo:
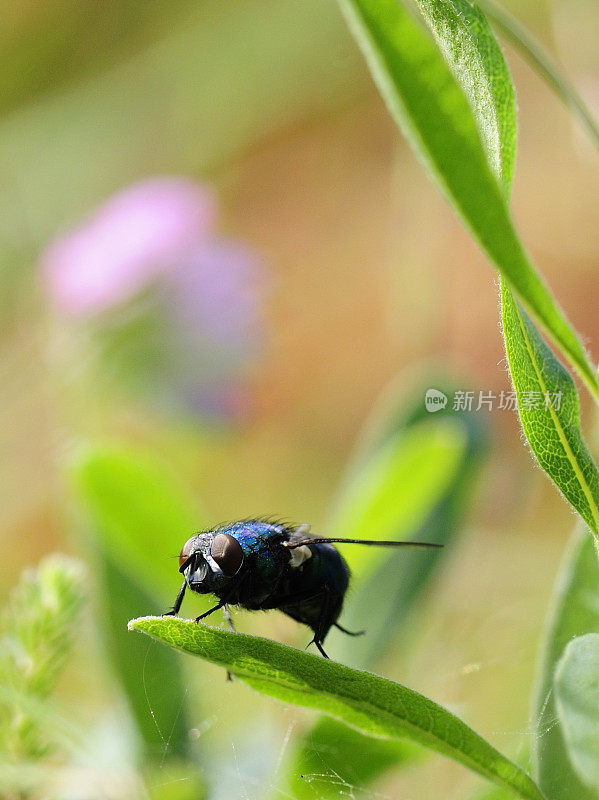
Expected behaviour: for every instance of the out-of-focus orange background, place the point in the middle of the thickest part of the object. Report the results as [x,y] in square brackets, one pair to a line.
[365,275]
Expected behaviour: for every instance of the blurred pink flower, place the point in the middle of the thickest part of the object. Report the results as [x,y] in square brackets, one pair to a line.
[138,234]
[215,304]
[190,343]
[217,294]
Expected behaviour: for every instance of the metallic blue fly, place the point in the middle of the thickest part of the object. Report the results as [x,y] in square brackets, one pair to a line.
[259,565]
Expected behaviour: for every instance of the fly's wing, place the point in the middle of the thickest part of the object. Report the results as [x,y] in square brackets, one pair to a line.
[303,540]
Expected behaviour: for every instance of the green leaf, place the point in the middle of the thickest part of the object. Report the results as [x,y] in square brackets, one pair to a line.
[333,755]
[425,99]
[395,488]
[492,793]
[382,603]
[550,414]
[576,685]
[138,517]
[156,694]
[470,49]
[398,578]
[138,509]
[540,59]
[575,612]
[552,426]
[372,704]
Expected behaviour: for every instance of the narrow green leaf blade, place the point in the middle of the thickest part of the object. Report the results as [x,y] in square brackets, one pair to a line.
[550,413]
[554,434]
[372,704]
[575,612]
[399,578]
[396,488]
[478,65]
[576,685]
[427,102]
[541,60]
[157,695]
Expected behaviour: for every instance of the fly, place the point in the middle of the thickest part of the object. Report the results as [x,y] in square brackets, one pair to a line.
[261,565]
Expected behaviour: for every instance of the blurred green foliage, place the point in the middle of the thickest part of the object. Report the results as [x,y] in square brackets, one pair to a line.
[575,612]
[50,45]
[38,628]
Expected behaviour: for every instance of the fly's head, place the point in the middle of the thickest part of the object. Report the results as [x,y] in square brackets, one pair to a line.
[210,561]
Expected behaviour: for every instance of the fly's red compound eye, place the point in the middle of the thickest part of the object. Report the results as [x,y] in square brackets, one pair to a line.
[186,551]
[228,553]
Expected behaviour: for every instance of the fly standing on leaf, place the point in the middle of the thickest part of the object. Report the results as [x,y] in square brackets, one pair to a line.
[259,565]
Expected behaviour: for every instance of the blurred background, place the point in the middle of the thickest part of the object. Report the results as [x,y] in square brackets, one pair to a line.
[217,255]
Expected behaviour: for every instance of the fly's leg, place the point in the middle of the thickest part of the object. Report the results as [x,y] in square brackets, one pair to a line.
[320,647]
[323,624]
[227,616]
[349,633]
[221,603]
[175,609]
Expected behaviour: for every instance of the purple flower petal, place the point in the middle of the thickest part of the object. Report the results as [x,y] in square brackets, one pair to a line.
[139,233]
[217,298]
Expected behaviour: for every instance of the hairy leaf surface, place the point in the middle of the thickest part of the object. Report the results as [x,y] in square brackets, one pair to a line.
[374,705]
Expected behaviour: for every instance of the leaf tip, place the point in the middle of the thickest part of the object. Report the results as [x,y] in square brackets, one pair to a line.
[137,624]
